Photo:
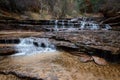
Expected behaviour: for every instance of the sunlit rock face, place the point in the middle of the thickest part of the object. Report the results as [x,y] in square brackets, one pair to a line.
[56,66]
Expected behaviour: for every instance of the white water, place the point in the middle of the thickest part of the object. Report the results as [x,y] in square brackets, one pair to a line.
[63,26]
[71,26]
[84,25]
[95,26]
[34,45]
[92,25]
[107,27]
[56,26]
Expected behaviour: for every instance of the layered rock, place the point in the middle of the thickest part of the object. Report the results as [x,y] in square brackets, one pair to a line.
[104,44]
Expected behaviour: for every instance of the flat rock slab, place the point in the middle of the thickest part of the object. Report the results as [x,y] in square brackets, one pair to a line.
[100,39]
[105,44]
[56,66]
[64,66]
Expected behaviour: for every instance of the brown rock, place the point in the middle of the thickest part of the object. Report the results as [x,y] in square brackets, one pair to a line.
[99,60]
[7,51]
[85,58]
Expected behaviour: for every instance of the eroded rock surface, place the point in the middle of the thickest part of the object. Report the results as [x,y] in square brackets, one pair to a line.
[97,46]
[56,66]
[104,44]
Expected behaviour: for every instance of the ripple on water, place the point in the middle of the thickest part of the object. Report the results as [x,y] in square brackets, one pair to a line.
[59,66]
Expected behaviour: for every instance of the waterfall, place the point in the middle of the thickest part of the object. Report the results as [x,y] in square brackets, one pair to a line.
[82,26]
[94,26]
[85,24]
[89,25]
[63,24]
[34,45]
[82,23]
[56,25]
[107,27]
[71,25]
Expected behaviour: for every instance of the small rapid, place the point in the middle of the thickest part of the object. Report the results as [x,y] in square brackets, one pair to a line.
[77,24]
[34,45]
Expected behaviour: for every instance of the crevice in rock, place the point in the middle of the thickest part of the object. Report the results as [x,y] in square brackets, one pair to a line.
[21,76]
[91,51]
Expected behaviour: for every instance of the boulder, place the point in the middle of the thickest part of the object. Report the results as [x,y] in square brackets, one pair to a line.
[85,58]
[99,60]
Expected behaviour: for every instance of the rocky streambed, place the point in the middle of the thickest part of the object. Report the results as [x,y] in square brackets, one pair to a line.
[78,54]
[74,48]
[55,66]
[104,44]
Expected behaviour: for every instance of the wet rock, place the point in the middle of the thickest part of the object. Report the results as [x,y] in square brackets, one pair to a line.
[36,44]
[43,45]
[61,43]
[99,60]
[7,51]
[85,58]
[104,44]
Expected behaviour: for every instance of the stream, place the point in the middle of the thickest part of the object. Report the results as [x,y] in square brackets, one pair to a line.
[38,59]
[52,51]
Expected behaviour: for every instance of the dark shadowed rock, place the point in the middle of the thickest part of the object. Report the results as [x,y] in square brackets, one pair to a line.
[36,44]
[104,44]
[7,51]
[43,45]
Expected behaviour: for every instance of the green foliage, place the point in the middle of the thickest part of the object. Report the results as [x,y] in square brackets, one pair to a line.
[84,5]
[97,4]
[81,7]
[59,8]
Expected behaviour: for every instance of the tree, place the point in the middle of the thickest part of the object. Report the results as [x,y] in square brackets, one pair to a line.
[89,6]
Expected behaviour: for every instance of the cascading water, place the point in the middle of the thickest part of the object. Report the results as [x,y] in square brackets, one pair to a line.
[71,25]
[34,45]
[56,25]
[63,24]
[84,24]
[89,25]
[107,27]
[92,25]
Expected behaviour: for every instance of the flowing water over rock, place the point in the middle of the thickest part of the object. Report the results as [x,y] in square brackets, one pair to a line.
[38,59]
[33,45]
[84,24]
[38,63]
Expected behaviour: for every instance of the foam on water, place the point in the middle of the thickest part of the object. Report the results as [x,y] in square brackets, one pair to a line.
[56,26]
[84,24]
[63,26]
[34,45]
